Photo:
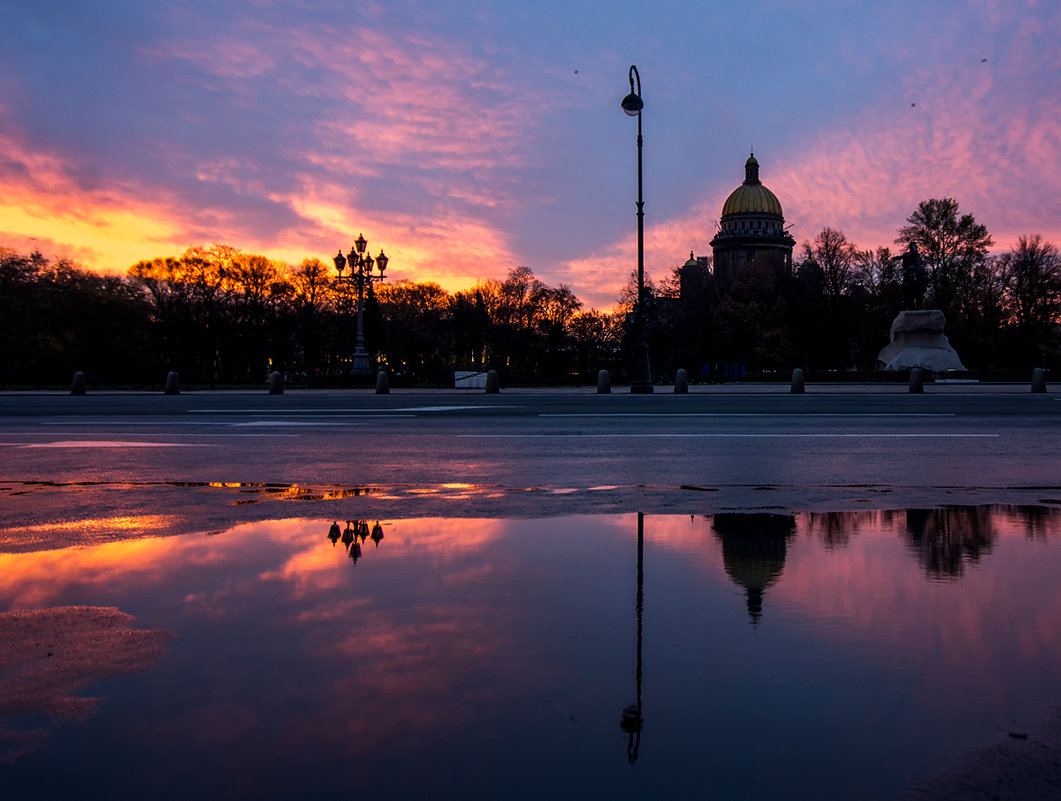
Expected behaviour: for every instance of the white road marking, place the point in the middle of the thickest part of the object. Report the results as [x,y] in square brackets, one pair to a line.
[109,443]
[451,408]
[312,416]
[348,412]
[170,434]
[731,436]
[747,414]
[272,423]
[120,422]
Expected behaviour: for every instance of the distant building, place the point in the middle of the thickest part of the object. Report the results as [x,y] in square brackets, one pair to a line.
[693,276]
[752,235]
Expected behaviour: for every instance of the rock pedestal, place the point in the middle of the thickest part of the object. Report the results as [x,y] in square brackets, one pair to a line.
[917,340]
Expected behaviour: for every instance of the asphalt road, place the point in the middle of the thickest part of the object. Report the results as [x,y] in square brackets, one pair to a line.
[465,453]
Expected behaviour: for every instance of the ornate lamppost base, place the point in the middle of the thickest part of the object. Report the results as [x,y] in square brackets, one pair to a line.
[362,365]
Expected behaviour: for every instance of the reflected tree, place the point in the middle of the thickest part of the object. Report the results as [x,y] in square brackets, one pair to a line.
[943,540]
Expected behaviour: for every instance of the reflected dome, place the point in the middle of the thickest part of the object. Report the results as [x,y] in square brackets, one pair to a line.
[753,552]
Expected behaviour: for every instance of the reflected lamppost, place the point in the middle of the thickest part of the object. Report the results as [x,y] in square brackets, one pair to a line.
[632,721]
[641,376]
[361,276]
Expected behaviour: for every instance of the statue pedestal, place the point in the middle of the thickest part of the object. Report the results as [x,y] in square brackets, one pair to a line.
[917,340]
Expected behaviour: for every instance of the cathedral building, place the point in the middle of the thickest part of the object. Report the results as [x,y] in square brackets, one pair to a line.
[752,236]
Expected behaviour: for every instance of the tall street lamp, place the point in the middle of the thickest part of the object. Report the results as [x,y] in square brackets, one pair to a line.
[361,276]
[641,376]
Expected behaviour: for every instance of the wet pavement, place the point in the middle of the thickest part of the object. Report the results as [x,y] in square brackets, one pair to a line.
[839,593]
[530,453]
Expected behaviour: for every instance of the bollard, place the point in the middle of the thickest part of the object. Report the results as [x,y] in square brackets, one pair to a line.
[276,383]
[604,383]
[173,384]
[681,382]
[917,381]
[1038,380]
[493,384]
[77,387]
[383,384]
[797,381]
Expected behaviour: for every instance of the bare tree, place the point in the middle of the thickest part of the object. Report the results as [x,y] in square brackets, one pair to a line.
[836,258]
[951,246]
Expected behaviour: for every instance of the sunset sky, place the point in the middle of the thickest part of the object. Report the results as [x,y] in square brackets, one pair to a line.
[466,138]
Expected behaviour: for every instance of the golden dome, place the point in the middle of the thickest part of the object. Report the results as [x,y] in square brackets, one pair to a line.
[752,197]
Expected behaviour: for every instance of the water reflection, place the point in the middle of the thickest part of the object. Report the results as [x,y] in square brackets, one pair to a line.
[355,530]
[753,552]
[944,540]
[472,647]
[632,720]
[48,657]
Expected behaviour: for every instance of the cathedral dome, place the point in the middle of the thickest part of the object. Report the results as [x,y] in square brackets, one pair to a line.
[752,197]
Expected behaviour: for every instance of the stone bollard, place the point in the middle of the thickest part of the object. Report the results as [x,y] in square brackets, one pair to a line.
[604,383]
[917,381]
[681,382]
[493,383]
[383,384]
[1038,380]
[276,383]
[173,383]
[798,387]
[77,387]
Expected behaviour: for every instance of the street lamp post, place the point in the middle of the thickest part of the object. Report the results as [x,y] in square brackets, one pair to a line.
[361,276]
[641,377]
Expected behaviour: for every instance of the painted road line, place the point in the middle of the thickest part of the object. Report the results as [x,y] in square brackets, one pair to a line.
[110,443]
[748,414]
[349,412]
[731,436]
[170,434]
[312,416]
[275,423]
[119,422]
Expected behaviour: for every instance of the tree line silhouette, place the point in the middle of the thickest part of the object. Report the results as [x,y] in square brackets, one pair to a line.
[220,316]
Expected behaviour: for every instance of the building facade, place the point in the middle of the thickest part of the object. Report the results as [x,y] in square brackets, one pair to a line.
[752,236]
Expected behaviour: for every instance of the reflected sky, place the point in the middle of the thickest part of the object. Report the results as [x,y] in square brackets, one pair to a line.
[800,656]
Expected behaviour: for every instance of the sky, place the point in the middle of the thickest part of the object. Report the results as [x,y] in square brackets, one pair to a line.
[468,138]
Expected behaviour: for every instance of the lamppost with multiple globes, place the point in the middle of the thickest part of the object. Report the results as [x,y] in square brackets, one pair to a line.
[641,376]
[361,276]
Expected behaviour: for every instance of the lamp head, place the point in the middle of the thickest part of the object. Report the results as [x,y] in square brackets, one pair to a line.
[632,104]
[360,244]
[340,262]
[381,262]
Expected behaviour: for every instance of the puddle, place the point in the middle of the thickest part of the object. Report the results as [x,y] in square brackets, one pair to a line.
[852,652]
